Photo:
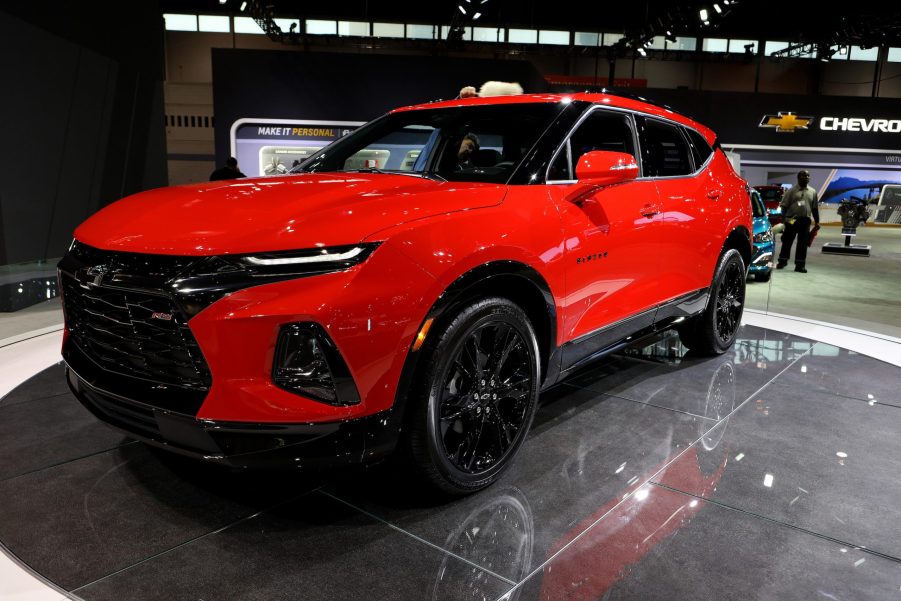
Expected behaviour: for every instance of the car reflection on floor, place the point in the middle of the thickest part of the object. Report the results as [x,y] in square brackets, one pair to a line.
[497,534]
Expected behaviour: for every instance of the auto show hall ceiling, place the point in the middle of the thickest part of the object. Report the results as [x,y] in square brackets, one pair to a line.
[869,23]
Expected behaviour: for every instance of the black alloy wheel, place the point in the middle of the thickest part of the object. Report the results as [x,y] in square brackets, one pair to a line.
[730,300]
[714,331]
[480,387]
[485,397]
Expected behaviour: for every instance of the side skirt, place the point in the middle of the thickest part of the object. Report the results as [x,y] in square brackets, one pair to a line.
[587,348]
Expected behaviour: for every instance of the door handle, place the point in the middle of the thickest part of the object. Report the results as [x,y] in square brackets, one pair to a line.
[714,194]
[650,210]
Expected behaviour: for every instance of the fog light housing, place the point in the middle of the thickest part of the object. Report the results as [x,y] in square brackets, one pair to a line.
[308,363]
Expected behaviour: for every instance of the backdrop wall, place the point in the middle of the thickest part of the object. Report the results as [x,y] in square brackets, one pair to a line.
[82,119]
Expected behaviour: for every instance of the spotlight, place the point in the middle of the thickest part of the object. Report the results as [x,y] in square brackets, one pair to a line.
[222,1]
[462,10]
[717,8]
[243,6]
[476,16]
[703,14]
[642,51]
[843,50]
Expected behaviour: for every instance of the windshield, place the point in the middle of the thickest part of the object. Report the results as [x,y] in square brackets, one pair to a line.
[469,143]
[757,205]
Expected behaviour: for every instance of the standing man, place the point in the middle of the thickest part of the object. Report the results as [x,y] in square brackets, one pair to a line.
[799,206]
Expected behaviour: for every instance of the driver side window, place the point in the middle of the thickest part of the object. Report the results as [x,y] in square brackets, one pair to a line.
[601,130]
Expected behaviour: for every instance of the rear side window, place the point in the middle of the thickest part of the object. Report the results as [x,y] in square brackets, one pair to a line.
[700,149]
[664,150]
[601,130]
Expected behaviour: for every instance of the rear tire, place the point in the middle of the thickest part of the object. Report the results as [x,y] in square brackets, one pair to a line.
[474,398]
[715,330]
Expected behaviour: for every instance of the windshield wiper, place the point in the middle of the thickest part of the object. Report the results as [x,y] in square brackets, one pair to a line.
[423,174]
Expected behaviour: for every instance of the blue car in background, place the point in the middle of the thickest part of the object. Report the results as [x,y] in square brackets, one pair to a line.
[764,246]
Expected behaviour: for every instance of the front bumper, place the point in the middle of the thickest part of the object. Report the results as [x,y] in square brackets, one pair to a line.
[762,260]
[238,444]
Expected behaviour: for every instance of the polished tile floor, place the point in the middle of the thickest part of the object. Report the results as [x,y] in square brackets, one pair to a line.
[773,472]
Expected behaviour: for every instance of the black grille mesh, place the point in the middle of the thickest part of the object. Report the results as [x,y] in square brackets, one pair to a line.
[133,332]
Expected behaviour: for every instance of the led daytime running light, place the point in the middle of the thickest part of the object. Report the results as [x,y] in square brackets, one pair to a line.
[326,257]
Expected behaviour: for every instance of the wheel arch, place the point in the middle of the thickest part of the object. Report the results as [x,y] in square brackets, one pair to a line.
[739,239]
[513,280]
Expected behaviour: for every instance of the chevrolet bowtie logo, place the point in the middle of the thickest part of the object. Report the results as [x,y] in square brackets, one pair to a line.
[786,122]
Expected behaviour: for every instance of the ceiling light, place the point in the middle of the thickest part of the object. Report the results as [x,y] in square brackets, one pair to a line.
[462,10]
[222,1]
[243,6]
[642,52]
[717,8]
[476,16]
[843,50]
[703,14]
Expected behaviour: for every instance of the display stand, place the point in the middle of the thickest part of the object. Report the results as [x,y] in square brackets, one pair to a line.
[861,250]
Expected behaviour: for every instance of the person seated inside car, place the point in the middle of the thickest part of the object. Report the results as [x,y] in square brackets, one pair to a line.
[468,145]
[457,153]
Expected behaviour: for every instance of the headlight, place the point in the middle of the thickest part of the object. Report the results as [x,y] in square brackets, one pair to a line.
[766,236]
[209,279]
[317,260]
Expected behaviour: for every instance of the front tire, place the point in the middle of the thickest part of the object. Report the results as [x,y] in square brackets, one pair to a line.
[475,397]
[714,331]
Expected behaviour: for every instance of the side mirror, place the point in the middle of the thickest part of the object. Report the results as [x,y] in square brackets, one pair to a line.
[603,168]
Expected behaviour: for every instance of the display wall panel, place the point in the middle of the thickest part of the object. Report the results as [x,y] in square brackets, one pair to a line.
[33,142]
[84,126]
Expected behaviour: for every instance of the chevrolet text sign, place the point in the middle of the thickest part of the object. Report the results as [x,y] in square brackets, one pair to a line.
[889,126]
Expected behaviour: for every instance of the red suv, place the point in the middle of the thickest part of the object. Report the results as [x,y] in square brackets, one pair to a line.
[412,290]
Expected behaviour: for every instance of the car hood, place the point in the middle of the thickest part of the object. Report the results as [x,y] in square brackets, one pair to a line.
[275,213]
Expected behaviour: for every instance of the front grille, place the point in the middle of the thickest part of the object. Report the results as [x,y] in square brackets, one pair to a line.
[136,332]
[134,270]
